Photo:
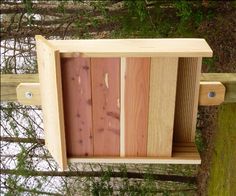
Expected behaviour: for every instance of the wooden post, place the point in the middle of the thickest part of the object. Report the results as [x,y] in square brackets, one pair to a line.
[227,79]
[9,82]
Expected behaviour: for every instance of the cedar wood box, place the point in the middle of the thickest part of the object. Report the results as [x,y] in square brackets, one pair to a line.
[121,100]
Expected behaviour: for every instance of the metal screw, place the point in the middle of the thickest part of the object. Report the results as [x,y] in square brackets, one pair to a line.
[28,95]
[211,94]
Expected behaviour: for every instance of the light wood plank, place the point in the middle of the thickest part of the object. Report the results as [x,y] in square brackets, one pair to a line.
[136,106]
[134,47]
[106,107]
[9,82]
[187,99]
[163,80]
[183,153]
[211,93]
[28,93]
[48,58]
[36,99]
[227,79]
[76,85]
[178,158]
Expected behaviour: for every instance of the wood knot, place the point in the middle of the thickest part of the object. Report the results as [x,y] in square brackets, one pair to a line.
[86,67]
[101,130]
[89,101]
[114,115]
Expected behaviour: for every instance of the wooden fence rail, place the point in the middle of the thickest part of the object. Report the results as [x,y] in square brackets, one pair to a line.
[9,82]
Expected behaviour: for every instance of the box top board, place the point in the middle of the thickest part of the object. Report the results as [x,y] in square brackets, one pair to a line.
[133,47]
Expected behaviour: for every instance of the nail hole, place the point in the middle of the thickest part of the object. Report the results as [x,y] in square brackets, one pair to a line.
[211,94]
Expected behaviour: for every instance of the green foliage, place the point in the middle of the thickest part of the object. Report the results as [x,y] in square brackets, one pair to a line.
[137,9]
[21,160]
[29,10]
[210,62]
[12,183]
[102,186]
[199,141]
[184,9]
[164,19]
[124,185]
[28,6]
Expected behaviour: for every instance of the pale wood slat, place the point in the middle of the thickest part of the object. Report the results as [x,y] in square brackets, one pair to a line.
[48,58]
[181,47]
[163,79]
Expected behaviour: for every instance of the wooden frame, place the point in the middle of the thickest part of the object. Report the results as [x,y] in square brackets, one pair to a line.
[180,56]
[48,58]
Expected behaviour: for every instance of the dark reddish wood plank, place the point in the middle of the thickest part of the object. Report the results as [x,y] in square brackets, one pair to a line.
[76,85]
[106,109]
[136,106]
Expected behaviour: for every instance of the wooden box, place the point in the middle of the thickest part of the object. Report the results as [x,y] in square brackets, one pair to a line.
[121,100]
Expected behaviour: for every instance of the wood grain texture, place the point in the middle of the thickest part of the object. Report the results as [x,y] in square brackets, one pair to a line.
[9,82]
[24,88]
[211,87]
[136,106]
[76,84]
[106,105]
[183,153]
[36,99]
[227,79]
[48,58]
[163,81]
[122,105]
[177,158]
[189,147]
[134,47]
[187,99]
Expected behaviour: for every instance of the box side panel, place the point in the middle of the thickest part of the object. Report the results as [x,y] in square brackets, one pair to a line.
[188,83]
[51,98]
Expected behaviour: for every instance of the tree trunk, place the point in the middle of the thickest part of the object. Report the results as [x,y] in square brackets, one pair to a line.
[159,177]
[48,9]
[57,31]
[22,140]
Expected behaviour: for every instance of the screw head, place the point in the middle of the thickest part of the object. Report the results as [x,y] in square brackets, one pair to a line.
[29,95]
[211,94]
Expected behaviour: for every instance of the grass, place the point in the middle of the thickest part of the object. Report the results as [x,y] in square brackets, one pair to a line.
[222,178]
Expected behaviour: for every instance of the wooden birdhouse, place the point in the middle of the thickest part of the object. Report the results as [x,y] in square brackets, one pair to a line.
[121,100]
